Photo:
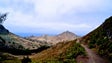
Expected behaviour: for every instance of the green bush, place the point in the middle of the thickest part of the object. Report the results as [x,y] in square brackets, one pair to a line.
[101,39]
[74,51]
[11,61]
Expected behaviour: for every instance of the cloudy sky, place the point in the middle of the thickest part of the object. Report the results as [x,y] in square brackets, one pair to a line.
[55,16]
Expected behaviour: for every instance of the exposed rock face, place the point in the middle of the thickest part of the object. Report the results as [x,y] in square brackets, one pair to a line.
[65,36]
[3,30]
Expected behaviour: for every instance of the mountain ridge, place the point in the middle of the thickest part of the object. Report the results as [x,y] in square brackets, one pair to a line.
[13,44]
[101,39]
[64,36]
[97,43]
[68,46]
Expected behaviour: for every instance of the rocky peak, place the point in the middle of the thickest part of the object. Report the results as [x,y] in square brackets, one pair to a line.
[68,33]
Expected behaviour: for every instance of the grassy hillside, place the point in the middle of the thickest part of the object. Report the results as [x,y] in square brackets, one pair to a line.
[13,44]
[101,39]
[60,53]
[8,58]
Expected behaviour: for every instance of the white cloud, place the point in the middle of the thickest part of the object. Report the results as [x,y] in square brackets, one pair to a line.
[53,15]
[50,8]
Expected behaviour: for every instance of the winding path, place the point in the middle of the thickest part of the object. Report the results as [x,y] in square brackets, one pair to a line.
[93,57]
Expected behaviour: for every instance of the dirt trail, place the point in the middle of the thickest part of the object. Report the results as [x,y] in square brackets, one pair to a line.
[92,56]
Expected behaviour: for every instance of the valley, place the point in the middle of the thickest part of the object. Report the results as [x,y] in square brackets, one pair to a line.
[66,47]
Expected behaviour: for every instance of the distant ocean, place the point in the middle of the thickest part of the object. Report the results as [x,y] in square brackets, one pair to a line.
[40,34]
[31,34]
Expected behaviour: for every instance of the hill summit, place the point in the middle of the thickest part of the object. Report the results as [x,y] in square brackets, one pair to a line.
[62,37]
[68,35]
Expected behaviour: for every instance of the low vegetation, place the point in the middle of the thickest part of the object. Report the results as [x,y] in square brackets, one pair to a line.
[7,58]
[101,39]
[61,53]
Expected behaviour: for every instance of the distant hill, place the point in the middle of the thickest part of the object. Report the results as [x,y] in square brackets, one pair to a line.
[62,37]
[101,39]
[12,43]
[65,47]
[67,35]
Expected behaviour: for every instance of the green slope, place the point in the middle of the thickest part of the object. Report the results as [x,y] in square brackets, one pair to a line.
[101,39]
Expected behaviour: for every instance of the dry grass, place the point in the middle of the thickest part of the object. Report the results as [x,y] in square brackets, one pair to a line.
[64,51]
[53,52]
